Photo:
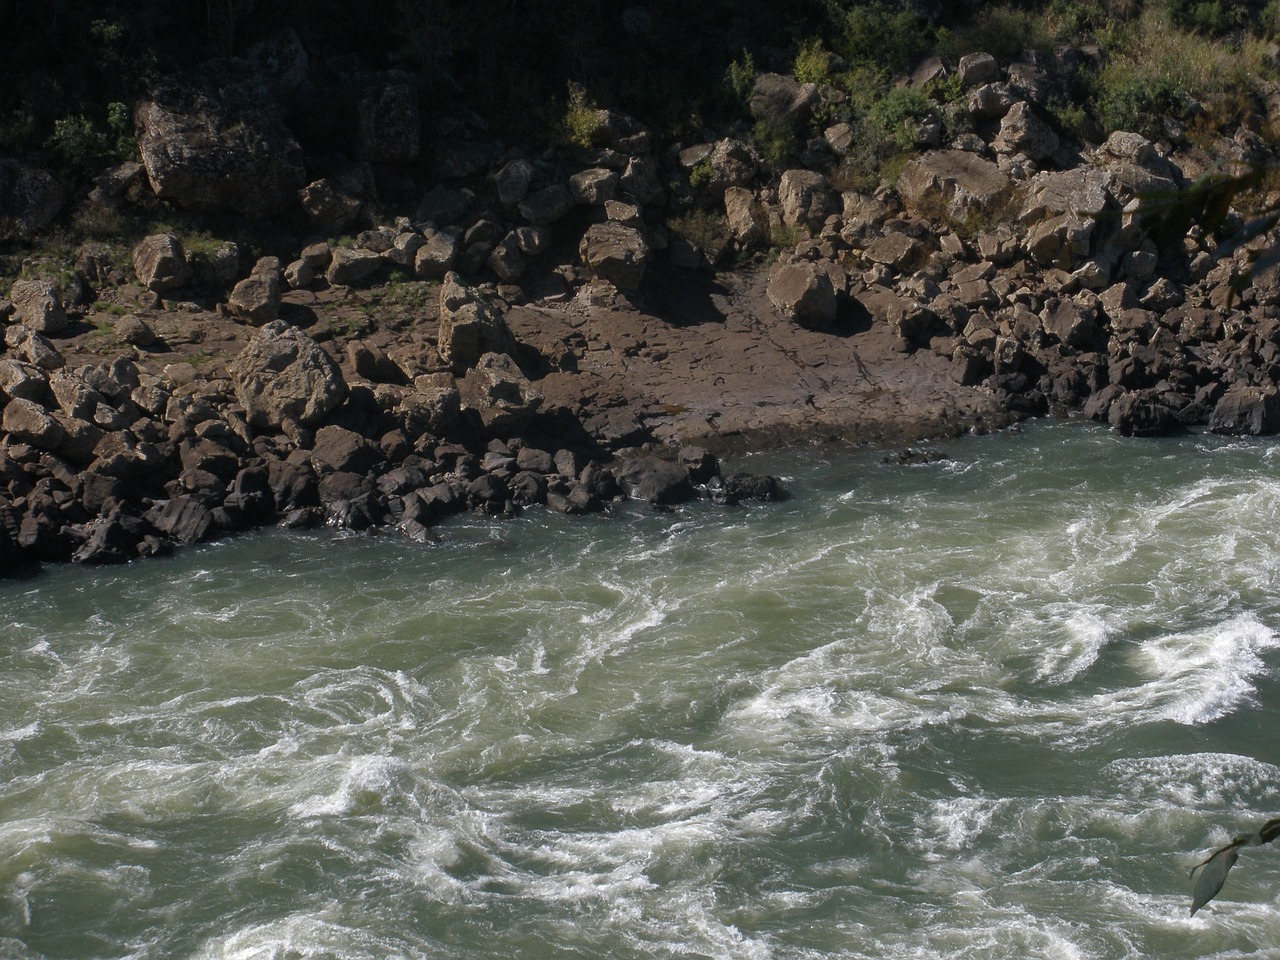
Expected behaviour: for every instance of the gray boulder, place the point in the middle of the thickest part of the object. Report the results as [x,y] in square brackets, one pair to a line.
[160,263]
[218,147]
[547,205]
[805,199]
[733,164]
[38,306]
[283,375]
[955,181]
[330,207]
[617,253]
[256,299]
[470,326]
[802,292]
[502,396]
[29,199]
[1022,131]
[350,266]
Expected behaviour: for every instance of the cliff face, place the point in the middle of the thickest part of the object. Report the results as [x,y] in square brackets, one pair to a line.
[438,317]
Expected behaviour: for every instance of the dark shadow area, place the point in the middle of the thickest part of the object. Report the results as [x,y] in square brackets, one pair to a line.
[681,297]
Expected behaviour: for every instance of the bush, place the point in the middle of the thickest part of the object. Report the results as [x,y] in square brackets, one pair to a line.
[581,123]
[812,63]
[1138,101]
[1003,32]
[881,34]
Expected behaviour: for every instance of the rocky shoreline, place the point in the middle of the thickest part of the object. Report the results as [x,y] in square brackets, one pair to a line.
[538,332]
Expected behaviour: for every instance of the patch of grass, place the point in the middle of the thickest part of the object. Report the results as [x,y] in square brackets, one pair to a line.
[703,229]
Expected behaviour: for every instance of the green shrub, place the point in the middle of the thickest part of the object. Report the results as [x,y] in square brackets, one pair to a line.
[899,113]
[581,122]
[775,143]
[1137,100]
[883,35]
[812,63]
[1003,32]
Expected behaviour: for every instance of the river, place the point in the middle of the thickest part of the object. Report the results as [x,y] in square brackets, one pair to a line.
[991,707]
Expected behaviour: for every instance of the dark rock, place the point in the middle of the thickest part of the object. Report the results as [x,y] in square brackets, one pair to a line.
[1141,413]
[1247,411]
[293,485]
[748,486]
[699,464]
[655,481]
[30,198]
[184,519]
[112,539]
[339,449]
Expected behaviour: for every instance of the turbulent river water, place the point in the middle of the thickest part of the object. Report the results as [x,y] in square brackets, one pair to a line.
[996,706]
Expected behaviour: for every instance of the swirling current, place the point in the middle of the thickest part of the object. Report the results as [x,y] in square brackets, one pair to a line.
[995,706]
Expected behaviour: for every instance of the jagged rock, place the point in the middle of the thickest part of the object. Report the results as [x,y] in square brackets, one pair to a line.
[300,275]
[218,147]
[38,306]
[507,259]
[990,101]
[547,205]
[899,251]
[617,131]
[955,182]
[911,320]
[330,207]
[256,299]
[442,206]
[616,253]
[656,481]
[470,326]
[1070,323]
[1022,131]
[513,181]
[533,241]
[594,186]
[434,406]
[781,101]
[29,199]
[805,199]
[802,292]
[1083,192]
[1140,413]
[135,331]
[1247,411]
[184,519]
[369,361]
[640,181]
[502,396]
[22,381]
[751,486]
[390,126]
[748,221]
[114,538]
[733,164]
[33,347]
[437,255]
[337,448]
[25,421]
[350,266]
[1063,241]
[160,263]
[283,375]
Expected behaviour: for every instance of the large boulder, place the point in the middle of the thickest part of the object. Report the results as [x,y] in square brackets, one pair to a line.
[160,263]
[805,199]
[282,375]
[617,253]
[38,306]
[781,101]
[502,396]
[802,292]
[732,164]
[1022,131]
[470,326]
[1247,411]
[256,299]
[29,199]
[655,481]
[956,183]
[218,146]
